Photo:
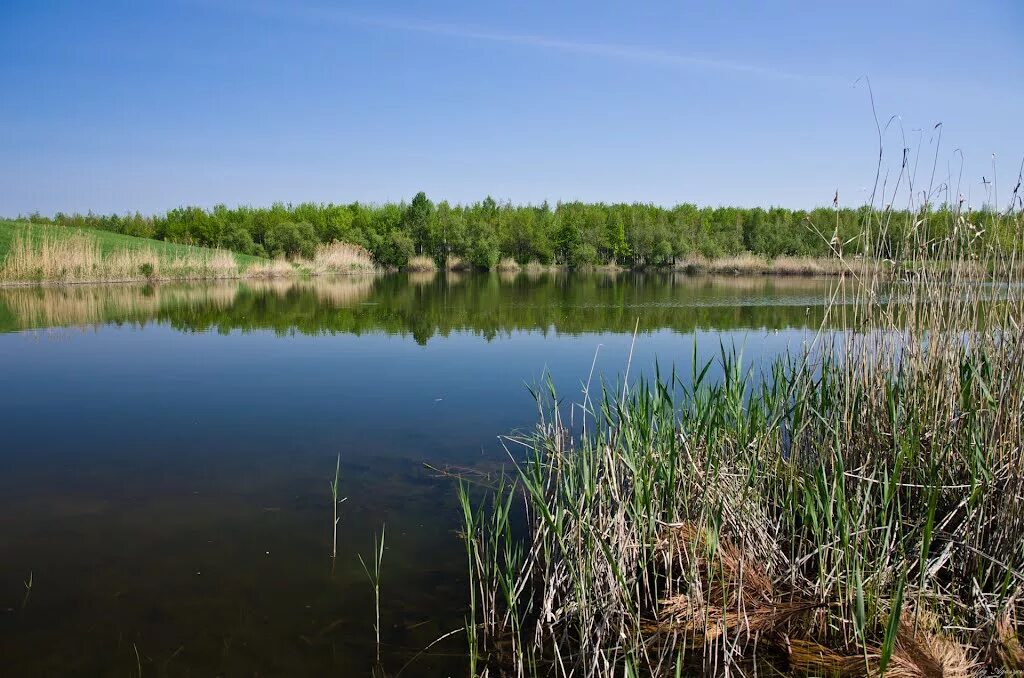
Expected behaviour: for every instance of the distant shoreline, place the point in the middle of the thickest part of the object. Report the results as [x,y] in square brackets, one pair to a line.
[37,255]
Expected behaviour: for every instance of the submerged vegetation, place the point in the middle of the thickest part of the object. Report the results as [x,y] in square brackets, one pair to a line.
[852,509]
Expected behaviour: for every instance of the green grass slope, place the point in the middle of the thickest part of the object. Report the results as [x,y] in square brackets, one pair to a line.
[109,242]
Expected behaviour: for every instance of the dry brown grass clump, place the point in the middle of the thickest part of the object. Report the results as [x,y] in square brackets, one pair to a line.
[273,268]
[534,269]
[341,257]
[1006,649]
[752,264]
[787,265]
[421,264]
[738,264]
[455,263]
[79,258]
[75,257]
[920,651]
[732,599]
[507,265]
[744,263]
[730,592]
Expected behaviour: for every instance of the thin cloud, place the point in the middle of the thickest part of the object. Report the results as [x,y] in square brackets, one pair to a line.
[605,50]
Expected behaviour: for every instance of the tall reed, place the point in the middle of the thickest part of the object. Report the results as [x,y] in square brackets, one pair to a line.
[334,507]
[421,264]
[78,257]
[374,577]
[852,508]
[340,257]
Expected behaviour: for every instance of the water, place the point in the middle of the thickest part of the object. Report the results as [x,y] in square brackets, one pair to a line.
[166,452]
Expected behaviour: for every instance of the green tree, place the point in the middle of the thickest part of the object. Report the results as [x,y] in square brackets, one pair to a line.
[417,222]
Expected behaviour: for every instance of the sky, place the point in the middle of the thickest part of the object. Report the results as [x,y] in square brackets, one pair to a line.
[122,106]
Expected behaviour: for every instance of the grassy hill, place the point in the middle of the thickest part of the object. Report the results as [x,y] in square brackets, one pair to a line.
[38,253]
[46,253]
[109,243]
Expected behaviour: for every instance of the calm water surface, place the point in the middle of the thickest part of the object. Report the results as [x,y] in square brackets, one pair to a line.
[166,452]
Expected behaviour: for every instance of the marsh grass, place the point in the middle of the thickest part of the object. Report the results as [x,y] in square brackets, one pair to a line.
[534,267]
[421,264]
[456,263]
[79,257]
[341,257]
[747,263]
[271,269]
[853,508]
[49,254]
[507,265]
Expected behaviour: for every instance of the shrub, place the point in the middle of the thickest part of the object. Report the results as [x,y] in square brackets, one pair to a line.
[290,239]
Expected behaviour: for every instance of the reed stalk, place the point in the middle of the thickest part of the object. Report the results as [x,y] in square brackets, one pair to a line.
[374,577]
[851,508]
[334,507]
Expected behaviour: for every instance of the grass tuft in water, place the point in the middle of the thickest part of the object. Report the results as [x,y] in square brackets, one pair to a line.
[374,577]
[334,507]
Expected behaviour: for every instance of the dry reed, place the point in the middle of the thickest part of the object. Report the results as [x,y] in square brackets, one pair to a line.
[455,263]
[507,265]
[421,264]
[851,509]
[337,258]
[272,268]
[79,258]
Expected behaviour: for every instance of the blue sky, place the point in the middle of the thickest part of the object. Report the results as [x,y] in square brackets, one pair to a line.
[123,106]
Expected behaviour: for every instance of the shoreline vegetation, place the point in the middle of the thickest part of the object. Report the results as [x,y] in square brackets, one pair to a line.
[851,509]
[37,255]
[41,254]
[420,236]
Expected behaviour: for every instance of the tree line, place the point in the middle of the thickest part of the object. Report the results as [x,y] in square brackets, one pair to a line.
[570,233]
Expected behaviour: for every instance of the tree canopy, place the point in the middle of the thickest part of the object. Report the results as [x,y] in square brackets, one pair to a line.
[569,233]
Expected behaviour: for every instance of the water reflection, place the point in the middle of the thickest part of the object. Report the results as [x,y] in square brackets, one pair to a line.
[426,305]
[165,473]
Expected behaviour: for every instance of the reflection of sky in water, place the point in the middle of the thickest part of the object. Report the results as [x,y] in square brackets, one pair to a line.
[134,457]
[372,394]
